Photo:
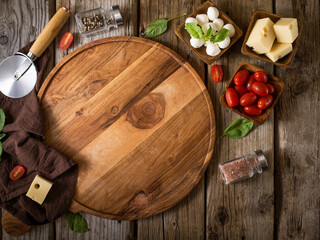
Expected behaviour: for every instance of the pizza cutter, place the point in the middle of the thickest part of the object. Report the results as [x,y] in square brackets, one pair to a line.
[18,73]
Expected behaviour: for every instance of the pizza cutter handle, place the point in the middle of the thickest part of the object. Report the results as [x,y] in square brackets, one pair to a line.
[50,31]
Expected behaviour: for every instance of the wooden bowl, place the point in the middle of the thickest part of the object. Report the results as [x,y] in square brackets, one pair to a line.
[182,33]
[278,89]
[282,62]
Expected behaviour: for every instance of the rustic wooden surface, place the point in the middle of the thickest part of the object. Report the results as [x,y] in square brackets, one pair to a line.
[139,123]
[280,204]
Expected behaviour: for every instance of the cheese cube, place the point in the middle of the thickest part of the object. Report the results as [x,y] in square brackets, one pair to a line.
[279,50]
[286,30]
[39,189]
[262,36]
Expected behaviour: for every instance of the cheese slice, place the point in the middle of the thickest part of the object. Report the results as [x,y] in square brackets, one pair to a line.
[261,36]
[286,30]
[279,50]
[39,189]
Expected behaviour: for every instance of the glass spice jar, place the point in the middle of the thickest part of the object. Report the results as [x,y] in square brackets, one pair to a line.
[98,19]
[243,167]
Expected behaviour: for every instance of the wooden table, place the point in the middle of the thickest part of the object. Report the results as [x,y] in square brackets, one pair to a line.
[282,203]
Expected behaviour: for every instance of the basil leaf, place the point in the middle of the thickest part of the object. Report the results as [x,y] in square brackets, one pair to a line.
[0,150]
[194,30]
[2,135]
[238,128]
[2,119]
[209,33]
[158,26]
[220,36]
[77,223]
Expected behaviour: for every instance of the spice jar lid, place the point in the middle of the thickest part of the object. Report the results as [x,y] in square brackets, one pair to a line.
[262,160]
[117,14]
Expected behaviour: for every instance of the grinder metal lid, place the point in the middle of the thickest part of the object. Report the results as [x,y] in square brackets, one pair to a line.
[18,76]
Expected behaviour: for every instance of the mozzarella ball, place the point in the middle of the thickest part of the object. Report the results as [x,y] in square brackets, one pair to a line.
[196,43]
[231,28]
[225,43]
[206,26]
[212,49]
[218,23]
[213,13]
[202,19]
[192,20]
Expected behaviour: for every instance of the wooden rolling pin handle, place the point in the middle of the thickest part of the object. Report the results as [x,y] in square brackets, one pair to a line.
[50,31]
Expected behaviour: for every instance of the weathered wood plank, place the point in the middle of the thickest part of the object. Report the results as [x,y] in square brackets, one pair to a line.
[238,211]
[185,220]
[297,133]
[19,25]
[100,228]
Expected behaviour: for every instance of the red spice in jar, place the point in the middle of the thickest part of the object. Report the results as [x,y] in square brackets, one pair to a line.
[243,167]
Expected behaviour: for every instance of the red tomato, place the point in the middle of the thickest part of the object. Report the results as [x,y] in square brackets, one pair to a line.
[260,76]
[232,97]
[252,110]
[260,89]
[265,102]
[17,172]
[270,87]
[241,77]
[241,90]
[250,81]
[248,99]
[66,41]
[216,73]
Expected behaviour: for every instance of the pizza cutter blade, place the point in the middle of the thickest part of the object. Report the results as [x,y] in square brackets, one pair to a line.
[18,74]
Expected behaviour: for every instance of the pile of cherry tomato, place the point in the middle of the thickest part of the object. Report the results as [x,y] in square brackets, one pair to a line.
[252,92]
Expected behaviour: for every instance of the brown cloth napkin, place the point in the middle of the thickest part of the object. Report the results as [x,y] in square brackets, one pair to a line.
[23,146]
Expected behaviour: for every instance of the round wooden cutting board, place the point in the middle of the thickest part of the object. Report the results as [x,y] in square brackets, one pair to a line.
[137,119]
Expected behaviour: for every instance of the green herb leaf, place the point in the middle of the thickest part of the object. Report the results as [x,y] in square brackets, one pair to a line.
[209,33]
[194,30]
[77,223]
[0,150]
[2,119]
[158,26]
[2,135]
[238,128]
[220,36]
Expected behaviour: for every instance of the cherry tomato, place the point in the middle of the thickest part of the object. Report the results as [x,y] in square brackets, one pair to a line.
[270,87]
[241,77]
[260,76]
[241,90]
[265,102]
[250,81]
[260,89]
[66,41]
[17,172]
[248,99]
[216,73]
[232,97]
[252,110]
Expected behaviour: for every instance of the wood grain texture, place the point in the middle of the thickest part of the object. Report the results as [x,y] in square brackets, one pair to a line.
[236,211]
[129,122]
[297,131]
[115,229]
[186,220]
[19,26]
